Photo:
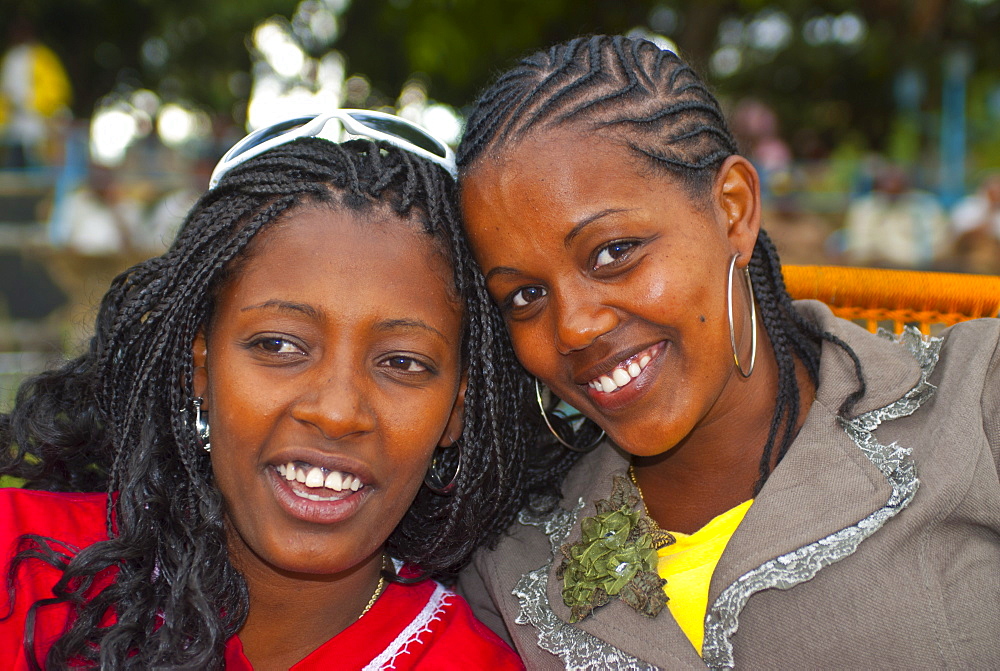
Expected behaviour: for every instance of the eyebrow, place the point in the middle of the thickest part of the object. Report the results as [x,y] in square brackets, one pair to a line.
[576,230]
[284,306]
[502,270]
[407,325]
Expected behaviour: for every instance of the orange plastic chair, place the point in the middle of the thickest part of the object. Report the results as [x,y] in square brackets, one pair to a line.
[903,297]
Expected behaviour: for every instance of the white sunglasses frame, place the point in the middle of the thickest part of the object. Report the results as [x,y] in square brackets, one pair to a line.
[316,127]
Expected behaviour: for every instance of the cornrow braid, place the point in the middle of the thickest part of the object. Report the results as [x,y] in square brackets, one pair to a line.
[119,417]
[656,105]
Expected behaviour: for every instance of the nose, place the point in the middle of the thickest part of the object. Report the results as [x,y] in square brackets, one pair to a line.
[581,318]
[337,405]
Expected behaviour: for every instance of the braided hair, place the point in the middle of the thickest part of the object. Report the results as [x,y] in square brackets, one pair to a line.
[660,109]
[119,417]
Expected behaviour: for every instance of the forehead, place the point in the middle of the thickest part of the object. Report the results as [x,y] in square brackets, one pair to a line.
[565,173]
[349,265]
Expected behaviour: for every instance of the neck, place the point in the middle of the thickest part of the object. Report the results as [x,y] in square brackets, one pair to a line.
[717,466]
[293,614]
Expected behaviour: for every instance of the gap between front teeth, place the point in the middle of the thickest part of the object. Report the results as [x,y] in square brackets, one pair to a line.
[314,478]
[620,376]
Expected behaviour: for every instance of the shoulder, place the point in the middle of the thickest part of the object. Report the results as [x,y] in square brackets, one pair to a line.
[78,519]
[968,377]
[463,642]
[967,367]
[416,626]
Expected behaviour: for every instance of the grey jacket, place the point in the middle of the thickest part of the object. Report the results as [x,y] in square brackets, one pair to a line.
[874,544]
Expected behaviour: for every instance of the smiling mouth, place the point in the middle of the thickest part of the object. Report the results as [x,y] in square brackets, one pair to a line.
[625,371]
[317,483]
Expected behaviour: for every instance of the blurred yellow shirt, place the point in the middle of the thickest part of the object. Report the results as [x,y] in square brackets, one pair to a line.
[688,565]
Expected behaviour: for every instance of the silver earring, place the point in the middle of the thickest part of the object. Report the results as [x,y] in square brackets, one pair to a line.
[434,481]
[201,423]
[753,319]
[548,422]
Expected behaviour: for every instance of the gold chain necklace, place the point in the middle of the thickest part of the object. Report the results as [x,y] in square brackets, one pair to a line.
[661,537]
[375,596]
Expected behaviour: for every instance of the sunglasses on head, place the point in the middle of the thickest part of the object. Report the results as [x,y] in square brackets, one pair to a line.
[351,124]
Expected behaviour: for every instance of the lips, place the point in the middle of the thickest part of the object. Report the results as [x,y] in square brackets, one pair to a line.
[611,391]
[625,371]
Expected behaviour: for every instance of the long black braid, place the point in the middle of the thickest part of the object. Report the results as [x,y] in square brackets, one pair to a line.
[119,418]
[654,103]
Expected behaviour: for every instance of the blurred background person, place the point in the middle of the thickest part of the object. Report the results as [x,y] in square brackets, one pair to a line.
[101,216]
[895,225]
[975,222]
[34,94]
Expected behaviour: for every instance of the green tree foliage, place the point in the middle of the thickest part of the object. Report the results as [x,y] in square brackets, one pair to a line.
[180,48]
[822,90]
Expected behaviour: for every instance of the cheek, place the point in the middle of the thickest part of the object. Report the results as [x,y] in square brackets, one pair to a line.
[532,347]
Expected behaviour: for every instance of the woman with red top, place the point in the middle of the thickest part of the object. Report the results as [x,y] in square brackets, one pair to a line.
[296,418]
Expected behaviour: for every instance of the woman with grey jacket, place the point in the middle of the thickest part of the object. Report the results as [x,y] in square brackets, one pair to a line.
[777,488]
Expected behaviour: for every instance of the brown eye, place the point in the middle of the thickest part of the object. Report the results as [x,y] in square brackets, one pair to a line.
[522,297]
[405,363]
[275,345]
[613,252]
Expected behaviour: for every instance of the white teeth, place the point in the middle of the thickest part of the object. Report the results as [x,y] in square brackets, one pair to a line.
[315,477]
[620,377]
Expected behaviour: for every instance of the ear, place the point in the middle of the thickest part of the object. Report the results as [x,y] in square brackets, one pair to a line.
[737,192]
[453,430]
[199,357]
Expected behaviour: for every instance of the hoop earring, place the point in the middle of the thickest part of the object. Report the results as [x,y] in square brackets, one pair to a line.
[201,424]
[548,423]
[753,319]
[433,479]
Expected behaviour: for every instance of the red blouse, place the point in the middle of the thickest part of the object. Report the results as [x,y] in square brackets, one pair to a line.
[422,626]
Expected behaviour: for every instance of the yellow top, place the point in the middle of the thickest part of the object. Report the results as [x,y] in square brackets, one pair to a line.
[688,565]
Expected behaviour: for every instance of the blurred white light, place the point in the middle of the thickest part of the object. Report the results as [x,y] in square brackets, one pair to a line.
[337,6]
[324,26]
[155,52]
[330,80]
[849,28]
[412,97]
[145,100]
[771,31]
[661,41]
[270,102]
[731,32]
[273,41]
[818,31]
[443,122]
[176,125]
[112,130]
[726,61]
[663,19]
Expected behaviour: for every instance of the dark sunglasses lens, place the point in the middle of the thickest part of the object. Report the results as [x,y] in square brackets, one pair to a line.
[271,132]
[401,129]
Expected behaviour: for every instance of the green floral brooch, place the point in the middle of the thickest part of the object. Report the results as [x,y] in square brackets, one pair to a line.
[616,557]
